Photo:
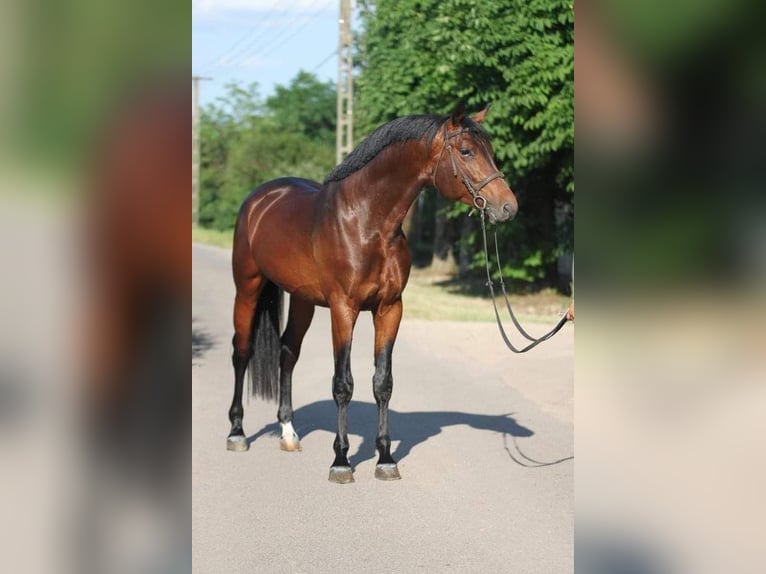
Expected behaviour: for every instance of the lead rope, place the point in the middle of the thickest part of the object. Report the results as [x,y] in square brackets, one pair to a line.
[535,341]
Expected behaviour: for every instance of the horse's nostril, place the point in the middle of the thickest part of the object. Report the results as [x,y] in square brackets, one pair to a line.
[509,210]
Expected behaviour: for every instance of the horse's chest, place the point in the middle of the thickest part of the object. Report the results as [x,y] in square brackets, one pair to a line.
[385,277]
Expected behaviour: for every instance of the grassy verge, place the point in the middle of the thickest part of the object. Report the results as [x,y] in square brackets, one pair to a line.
[212,237]
[440,298]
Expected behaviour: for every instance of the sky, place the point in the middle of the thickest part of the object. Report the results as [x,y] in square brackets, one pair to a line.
[267,41]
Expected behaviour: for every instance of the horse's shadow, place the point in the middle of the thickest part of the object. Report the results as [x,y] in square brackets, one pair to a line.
[411,428]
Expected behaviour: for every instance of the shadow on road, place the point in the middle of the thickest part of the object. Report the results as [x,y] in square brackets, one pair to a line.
[201,341]
[411,429]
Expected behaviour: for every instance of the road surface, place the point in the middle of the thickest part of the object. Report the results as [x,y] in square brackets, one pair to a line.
[484,441]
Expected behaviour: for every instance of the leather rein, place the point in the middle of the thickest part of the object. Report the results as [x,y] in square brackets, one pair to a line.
[534,340]
[480,203]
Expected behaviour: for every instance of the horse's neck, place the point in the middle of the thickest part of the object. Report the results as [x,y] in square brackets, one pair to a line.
[386,188]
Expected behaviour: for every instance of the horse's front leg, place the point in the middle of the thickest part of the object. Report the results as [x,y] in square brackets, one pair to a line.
[386,320]
[343,318]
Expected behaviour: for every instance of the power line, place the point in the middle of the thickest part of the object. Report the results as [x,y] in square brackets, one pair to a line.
[291,36]
[225,53]
[274,42]
[327,59]
[246,35]
[261,41]
[257,45]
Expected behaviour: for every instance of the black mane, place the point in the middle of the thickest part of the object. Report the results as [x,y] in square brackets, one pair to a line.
[399,130]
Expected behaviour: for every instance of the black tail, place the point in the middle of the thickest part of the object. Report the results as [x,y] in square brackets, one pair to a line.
[264,362]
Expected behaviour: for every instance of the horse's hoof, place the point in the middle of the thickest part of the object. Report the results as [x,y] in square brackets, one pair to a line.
[341,474]
[289,439]
[237,443]
[290,444]
[388,471]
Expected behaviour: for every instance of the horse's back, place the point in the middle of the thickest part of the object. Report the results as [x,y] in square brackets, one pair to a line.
[294,195]
[292,185]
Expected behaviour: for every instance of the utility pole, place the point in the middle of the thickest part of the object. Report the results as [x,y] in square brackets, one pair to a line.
[195,149]
[345,124]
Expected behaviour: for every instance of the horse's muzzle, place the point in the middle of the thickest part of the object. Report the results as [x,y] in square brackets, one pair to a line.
[504,213]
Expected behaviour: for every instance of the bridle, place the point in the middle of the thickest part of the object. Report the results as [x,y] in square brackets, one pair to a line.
[480,203]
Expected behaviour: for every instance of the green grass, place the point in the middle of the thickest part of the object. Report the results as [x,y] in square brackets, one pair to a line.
[212,237]
[439,298]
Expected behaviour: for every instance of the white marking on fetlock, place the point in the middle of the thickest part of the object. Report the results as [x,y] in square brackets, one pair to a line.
[288,431]
[289,439]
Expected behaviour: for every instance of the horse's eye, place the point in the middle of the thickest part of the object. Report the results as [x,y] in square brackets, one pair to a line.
[466,153]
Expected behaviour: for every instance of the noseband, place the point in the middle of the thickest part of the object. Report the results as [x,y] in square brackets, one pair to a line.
[479,201]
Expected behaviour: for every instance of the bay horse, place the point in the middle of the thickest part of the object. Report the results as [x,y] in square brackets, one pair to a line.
[340,245]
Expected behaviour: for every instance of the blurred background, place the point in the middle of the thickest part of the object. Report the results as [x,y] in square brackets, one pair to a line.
[96,278]
[671,258]
[671,235]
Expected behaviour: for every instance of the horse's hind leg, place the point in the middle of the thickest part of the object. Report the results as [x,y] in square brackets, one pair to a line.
[298,321]
[244,312]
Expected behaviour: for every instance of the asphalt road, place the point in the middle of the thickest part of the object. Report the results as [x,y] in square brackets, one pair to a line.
[484,441]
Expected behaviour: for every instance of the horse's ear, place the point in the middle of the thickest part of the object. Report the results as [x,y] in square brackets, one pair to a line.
[478,117]
[459,114]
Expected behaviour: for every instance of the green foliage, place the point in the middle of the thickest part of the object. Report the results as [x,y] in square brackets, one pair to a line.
[306,106]
[245,141]
[419,56]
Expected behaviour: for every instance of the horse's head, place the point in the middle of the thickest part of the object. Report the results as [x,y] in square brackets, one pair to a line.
[465,170]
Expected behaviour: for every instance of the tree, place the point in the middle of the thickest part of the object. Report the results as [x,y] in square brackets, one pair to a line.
[246,141]
[222,125]
[306,106]
[423,56]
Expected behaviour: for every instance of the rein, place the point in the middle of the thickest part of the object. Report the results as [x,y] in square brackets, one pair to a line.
[490,284]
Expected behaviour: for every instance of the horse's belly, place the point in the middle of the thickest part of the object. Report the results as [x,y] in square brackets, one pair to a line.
[297,277]
[311,293]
